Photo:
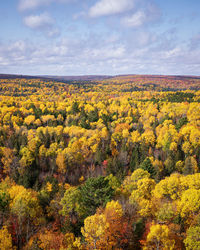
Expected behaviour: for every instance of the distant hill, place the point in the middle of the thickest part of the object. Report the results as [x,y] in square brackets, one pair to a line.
[14,76]
[170,77]
[162,82]
[79,78]
[137,82]
[129,77]
[58,78]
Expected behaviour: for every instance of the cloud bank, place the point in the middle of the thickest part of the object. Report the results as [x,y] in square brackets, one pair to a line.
[98,37]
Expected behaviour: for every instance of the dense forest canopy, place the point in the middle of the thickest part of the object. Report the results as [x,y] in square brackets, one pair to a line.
[104,164]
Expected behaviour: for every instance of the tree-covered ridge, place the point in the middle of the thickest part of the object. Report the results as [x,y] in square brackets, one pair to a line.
[99,165]
[159,82]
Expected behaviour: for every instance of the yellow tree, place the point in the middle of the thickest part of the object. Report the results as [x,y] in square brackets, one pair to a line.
[7,160]
[26,160]
[5,239]
[142,196]
[94,230]
[192,240]
[130,182]
[25,206]
[119,232]
[61,163]
[189,204]
[159,238]
[169,188]
[29,120]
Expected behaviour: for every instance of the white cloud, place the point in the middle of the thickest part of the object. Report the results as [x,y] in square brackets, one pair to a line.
[109,52]
[146,14]
[70,56]
[173,52]
[135,20]
[19,45]
[38,21]
[53,32]
[33,4]
[43,23]
[110,7]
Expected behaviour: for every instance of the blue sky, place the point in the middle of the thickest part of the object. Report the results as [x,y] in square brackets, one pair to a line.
[81,37]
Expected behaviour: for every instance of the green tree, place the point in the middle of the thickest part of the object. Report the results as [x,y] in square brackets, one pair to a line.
[147,165]
[75,108]
[70,201]
[4,204]
[93,115]
[95,192]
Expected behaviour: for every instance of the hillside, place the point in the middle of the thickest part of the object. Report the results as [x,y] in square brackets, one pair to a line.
[92,164]
[134,82]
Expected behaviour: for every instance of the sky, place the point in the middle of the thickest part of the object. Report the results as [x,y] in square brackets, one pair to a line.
[100,37]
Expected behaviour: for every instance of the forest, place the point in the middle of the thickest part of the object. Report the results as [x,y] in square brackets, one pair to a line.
[100,164]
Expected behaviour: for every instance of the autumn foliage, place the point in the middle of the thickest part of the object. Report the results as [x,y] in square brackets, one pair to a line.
[111,164]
